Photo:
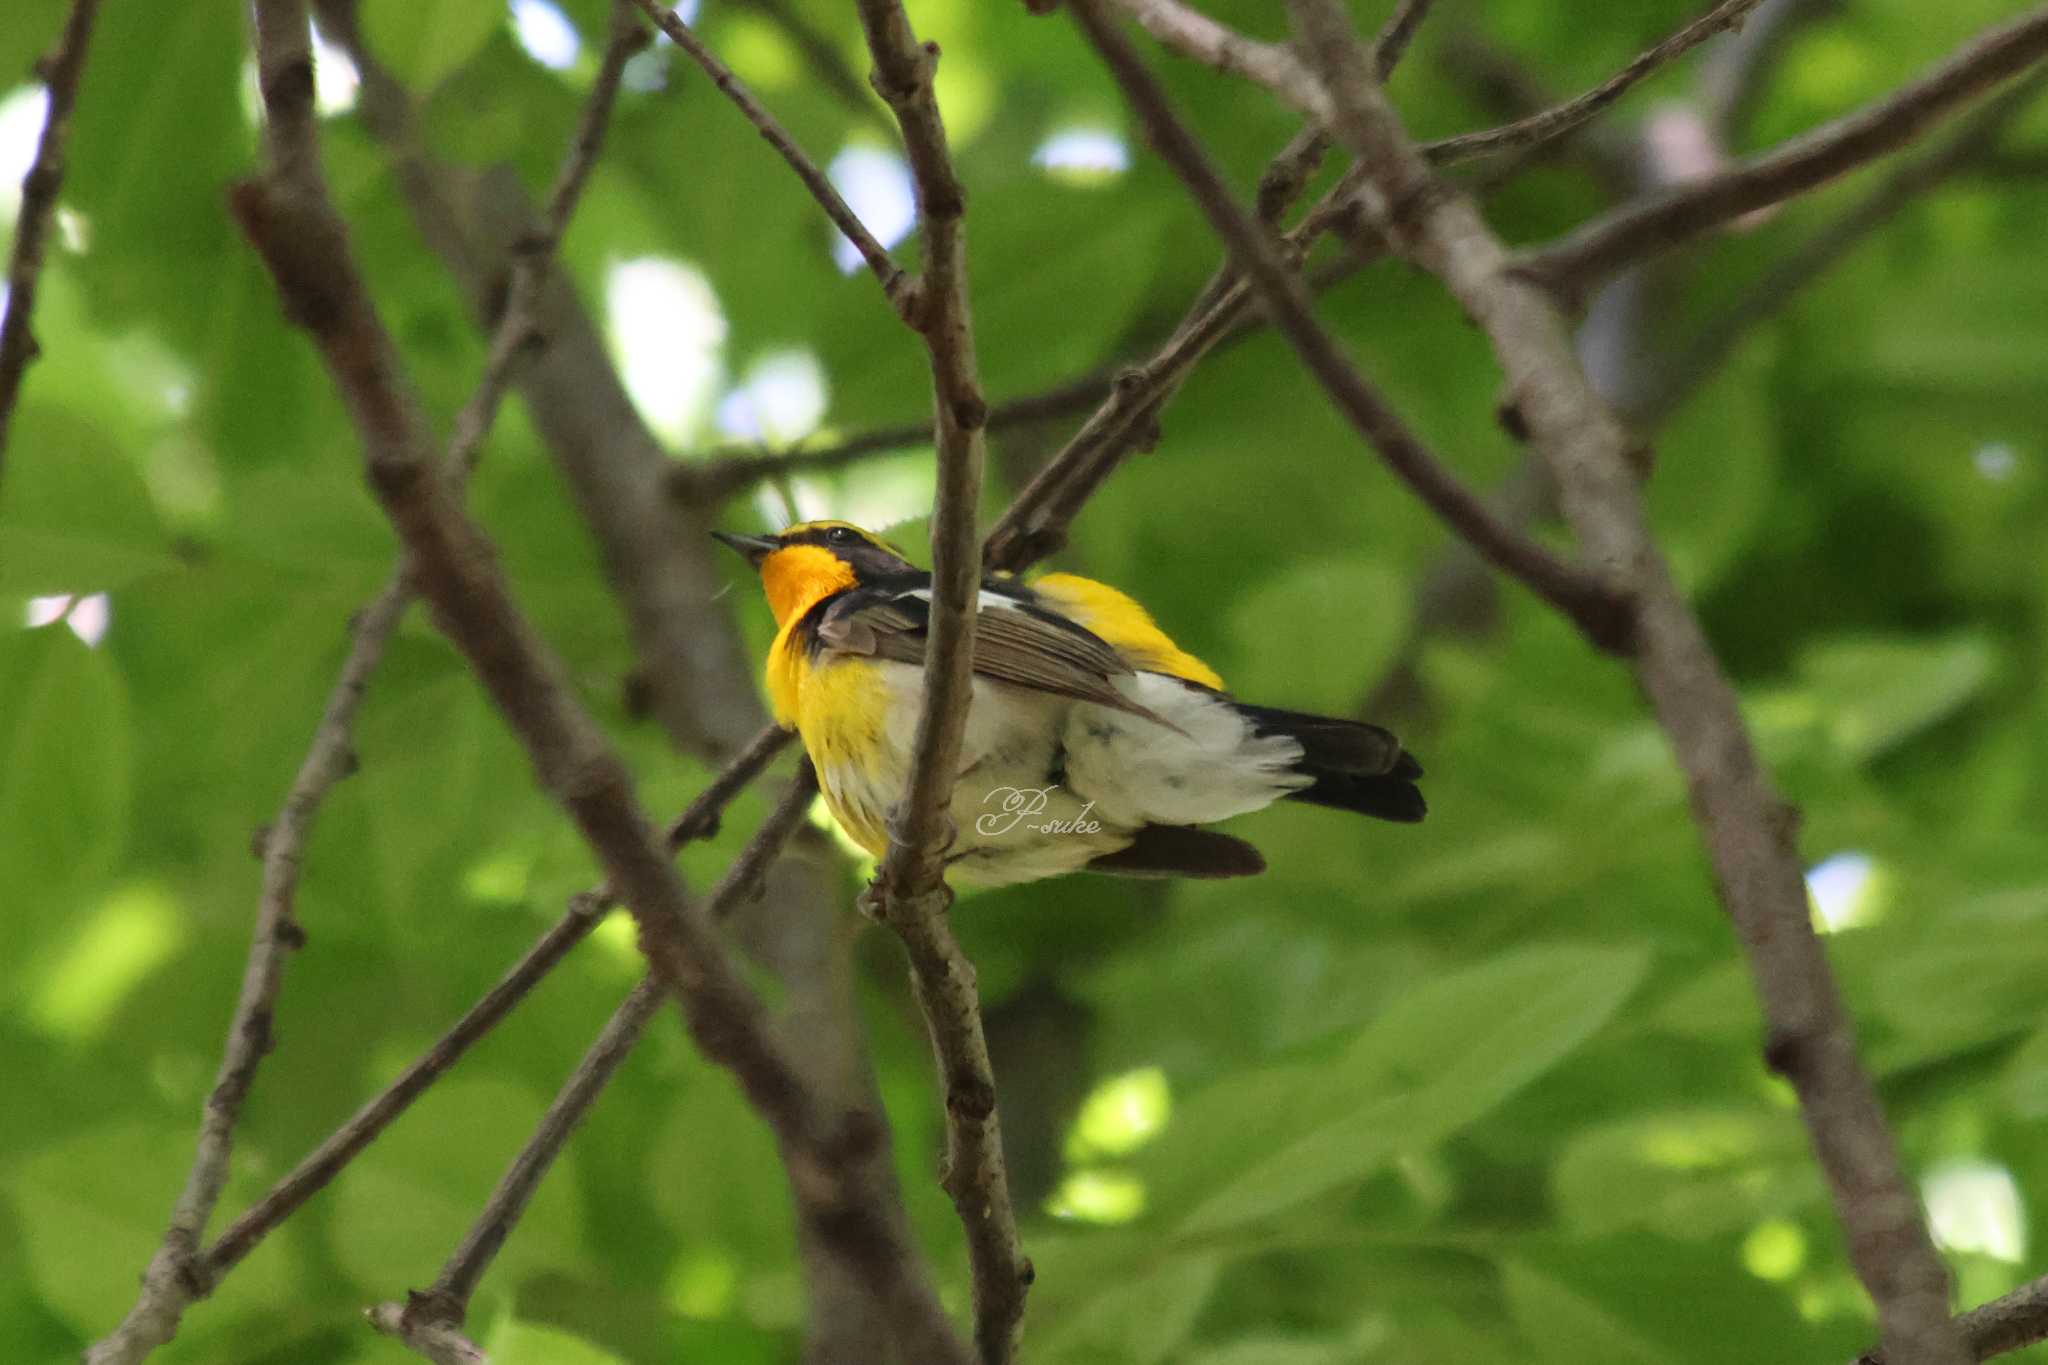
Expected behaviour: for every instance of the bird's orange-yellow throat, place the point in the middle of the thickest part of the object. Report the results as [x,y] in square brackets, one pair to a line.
[1094,743]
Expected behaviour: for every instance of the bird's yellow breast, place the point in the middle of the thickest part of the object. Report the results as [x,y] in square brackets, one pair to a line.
[840,706]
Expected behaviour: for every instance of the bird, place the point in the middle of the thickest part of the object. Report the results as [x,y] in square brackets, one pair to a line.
[1093,742]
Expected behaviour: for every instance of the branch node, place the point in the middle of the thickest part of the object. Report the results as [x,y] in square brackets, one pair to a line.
[1786,1052]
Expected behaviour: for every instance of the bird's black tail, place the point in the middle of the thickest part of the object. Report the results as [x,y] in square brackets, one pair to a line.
[1356,766]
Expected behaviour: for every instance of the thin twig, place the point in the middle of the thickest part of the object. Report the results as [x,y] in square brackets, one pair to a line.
[1035,524]
[323,1163]
[909,893]
[1659,222]
[425,1316]
[1572,590]
[435,1341]
[172,1280]
[61,72]
[1750,838]
[1552,124]
[465,1268]
[1396,34]
[706,482]
[895,284]
[518,329]
[699,821]
[2007,1323]
[1186,30]
[824,58]
[289,218]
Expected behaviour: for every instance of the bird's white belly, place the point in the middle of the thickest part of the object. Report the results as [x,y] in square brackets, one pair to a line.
[1047,784]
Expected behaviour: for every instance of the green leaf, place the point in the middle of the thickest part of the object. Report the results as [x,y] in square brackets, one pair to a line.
[97,1204]
[74,516]
[1341,618]
[1440,1057]
[424,42]
[1140,1321]
[525,1343]
[66,769]
[1877,693]
[1566,1328]
[1686,1173]
[402,1206]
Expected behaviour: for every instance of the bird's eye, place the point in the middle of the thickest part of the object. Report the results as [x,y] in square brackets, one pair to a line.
[839,535]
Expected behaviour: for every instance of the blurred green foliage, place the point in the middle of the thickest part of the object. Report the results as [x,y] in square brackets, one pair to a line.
[1486,1090]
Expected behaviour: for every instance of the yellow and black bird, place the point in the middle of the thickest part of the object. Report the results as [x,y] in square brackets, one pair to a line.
[1093,741]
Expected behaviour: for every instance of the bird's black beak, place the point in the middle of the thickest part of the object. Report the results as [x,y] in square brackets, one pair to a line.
[755,548]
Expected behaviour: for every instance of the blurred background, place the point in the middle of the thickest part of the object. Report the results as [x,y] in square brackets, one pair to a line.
[1482,1090]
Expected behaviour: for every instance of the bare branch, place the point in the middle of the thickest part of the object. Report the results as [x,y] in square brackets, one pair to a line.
[1036,521]
[909,893]
[435,1341]
[289,218]
[700,820]
[60,71]
[1703,354]
[1396,34]
[445,1305]
[171,1281]
[894,283]
[363,1127]
[710,481]
[2008,1323]
[1575,592]
[1552,124]
[1199,38]
[518,328]
[689,672]
[824,58]
[746,878]
[465,1268]
[1749,836]
[1659,222]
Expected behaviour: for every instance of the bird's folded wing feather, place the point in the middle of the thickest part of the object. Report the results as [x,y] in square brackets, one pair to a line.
[1012,644]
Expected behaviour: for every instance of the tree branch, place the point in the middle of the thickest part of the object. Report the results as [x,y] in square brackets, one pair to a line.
[1194,35]
[895,284]
[1659,222]
[61,72]
[2008,1323]
[1551,124]
[290,220]
[425,1320]
[1749,835]
[1396,34]
[171,1280]
[1702,356]
[439,1342]
[909,893]
[1036,522]
[721,477]
[1596,609]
